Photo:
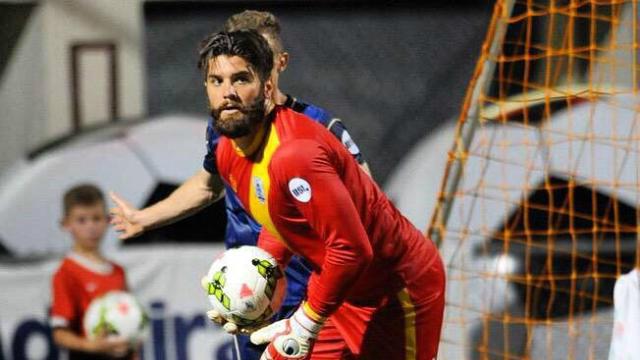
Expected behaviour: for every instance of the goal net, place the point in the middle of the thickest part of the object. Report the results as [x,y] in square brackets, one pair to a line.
[538,211]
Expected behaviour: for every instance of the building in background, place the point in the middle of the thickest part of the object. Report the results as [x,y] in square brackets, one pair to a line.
[392,71]
[67,65]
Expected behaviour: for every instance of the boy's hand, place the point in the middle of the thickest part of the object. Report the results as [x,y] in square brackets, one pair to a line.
[125,218]
[116,348]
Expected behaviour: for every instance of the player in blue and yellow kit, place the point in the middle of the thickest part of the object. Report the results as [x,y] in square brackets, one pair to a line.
[242,229]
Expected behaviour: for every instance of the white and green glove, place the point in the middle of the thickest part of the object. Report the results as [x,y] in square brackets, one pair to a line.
[292,338]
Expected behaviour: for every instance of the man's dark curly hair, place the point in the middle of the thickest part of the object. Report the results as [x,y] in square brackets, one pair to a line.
[247,44]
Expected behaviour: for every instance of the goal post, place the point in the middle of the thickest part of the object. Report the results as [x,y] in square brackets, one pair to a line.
[469,116]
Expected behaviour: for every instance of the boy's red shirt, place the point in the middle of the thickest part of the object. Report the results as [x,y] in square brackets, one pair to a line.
[76,283]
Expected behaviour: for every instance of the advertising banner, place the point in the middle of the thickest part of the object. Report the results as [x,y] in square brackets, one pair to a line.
[165,279]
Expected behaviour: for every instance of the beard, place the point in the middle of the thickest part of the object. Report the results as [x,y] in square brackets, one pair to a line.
[239,124]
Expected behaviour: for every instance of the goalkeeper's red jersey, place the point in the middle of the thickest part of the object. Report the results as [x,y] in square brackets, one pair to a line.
[313,199]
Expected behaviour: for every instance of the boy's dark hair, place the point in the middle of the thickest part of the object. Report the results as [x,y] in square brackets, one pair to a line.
[81,195]
[247,44]
[263,22]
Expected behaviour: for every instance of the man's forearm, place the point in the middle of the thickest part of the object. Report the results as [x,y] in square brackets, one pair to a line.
[198,192]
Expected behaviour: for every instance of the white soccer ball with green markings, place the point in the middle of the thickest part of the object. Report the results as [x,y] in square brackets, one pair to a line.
[245,285]
[116,314]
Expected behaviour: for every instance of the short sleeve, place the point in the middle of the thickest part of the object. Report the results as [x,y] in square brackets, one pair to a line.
[123,276]
[62,308]
[337,128]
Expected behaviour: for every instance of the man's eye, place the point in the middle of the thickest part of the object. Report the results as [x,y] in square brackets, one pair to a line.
[242,80]
[215,82]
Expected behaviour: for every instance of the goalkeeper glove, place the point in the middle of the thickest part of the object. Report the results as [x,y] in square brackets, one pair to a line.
[292,338]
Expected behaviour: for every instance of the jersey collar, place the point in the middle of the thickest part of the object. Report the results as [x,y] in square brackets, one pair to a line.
[104,269]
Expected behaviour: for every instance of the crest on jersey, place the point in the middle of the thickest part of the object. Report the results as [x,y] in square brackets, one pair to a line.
[300,189]
[259,187]
[349,143]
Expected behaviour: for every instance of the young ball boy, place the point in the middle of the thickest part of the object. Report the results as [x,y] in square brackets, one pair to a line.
[84,275]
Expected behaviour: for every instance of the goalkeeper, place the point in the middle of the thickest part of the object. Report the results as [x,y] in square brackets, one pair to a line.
[241,228]
[377,285]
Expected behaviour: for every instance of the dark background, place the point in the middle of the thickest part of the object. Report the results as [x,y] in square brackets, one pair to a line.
[392,71]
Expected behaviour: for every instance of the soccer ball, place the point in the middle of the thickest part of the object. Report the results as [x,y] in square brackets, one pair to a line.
[245,285]
[116,314]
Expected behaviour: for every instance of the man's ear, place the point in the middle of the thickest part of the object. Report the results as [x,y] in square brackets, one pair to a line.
[283,61]
[268,88]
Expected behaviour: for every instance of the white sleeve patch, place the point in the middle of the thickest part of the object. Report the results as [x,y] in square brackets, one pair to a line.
[349,143]
[300,189]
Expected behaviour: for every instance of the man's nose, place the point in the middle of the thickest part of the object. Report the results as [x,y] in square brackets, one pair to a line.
[230,91]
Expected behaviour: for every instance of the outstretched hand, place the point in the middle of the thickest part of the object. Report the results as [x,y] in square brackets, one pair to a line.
[125,218]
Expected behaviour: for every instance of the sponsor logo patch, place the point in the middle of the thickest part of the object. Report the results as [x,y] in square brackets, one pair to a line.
[300,189]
